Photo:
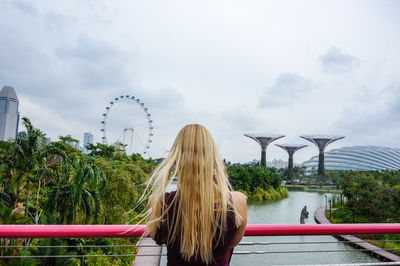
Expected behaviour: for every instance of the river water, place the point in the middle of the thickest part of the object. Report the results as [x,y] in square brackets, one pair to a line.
[287,211]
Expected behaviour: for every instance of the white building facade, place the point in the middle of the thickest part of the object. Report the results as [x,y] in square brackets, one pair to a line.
[358,158]
[87,138]
[9,115]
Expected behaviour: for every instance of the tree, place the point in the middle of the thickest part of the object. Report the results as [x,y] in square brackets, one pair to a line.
[29,154]
[68,140]
[78,195]
[57,180]
[370,196]
[102,150]
[126,181]
[249,177]
[239,177]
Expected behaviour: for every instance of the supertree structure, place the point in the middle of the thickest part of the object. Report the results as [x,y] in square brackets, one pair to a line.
[321,141]
[264,140]
[291,149]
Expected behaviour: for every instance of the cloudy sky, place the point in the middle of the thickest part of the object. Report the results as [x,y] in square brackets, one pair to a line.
[287,67]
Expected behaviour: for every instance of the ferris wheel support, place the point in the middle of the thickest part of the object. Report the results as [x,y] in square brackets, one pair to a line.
[123,142]
[128,113]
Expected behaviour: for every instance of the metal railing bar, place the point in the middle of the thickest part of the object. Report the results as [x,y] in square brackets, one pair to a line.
[353,264]
[309,251]
[240,244]
[317,242]
[74,256]
[261,252]
[87,246]
[118,231]
[253,243]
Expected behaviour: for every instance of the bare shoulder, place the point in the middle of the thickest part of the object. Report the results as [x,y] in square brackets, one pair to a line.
[239,199]
[236,195]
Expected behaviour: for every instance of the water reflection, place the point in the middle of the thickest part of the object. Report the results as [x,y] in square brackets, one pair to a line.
[288,211]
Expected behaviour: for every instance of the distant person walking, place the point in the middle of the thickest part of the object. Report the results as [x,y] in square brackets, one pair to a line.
[202,221]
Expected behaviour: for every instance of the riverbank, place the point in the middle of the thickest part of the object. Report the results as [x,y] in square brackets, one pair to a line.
[287,211]
[312,188]
[271,194]
[320,218]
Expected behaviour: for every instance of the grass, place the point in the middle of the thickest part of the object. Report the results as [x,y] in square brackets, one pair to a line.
[345,216]
[386,245]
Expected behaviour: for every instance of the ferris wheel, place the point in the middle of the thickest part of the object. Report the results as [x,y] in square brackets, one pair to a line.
[127,121]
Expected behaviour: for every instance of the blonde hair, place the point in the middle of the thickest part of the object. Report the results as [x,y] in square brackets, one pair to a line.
[202,189]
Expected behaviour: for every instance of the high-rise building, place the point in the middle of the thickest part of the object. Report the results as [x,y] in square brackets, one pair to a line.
[76,145]
[277,163]
[9,115]
[87,138]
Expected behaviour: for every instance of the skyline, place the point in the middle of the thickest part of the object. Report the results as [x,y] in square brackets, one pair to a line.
[236,67]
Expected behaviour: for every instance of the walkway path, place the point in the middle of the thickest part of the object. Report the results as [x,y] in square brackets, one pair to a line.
[320,218]
[149,253]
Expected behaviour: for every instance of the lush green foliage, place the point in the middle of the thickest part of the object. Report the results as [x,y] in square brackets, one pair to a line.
[298,174]
[126,180]
[257,182]
[54,183]
[373,195]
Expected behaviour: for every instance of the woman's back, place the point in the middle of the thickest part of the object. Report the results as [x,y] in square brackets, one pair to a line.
[197,222]
[220,245]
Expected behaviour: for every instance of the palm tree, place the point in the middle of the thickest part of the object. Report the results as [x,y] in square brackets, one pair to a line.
[26,150]
[11,178]
[79,193]
[33,157]
[54,254]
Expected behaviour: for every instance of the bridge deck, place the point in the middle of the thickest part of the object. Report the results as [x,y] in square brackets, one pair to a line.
[149,247]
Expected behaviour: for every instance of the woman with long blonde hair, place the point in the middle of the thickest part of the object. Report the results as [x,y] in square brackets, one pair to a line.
[202,220]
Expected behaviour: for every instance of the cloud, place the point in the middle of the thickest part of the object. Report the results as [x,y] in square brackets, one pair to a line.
[285,90]
[49,120]
[240,119]
[57,22]
[197,64]
[163,99]
[394,102]
[336,62]
[373,119]
[22,6]
[98,64]
[61,68]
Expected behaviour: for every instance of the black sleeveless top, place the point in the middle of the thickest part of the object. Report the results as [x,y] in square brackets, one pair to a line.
[221,252]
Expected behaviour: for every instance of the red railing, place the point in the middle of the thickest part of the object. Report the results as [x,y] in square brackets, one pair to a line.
[109,231]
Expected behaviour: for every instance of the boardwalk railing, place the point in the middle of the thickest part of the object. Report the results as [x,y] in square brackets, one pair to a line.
[117,231]
[127,231]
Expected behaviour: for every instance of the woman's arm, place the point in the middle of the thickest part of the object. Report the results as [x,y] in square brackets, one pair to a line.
[240,203]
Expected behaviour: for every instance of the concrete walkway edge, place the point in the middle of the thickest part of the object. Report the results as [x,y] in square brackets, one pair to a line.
[320,218]
[147,248]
